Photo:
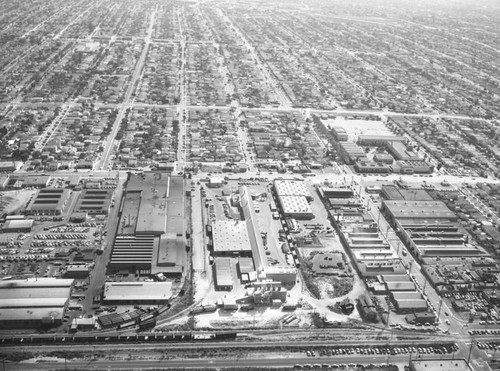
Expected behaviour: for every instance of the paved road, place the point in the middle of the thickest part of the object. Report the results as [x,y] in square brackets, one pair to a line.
[284,360]
[104,160]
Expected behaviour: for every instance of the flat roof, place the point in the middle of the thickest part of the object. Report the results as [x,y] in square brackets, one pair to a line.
[295,205]
[396,278]
[137,291]
[230,235]
[133,250]
[130,210]
[18,224]
[223,272]
[400,286]
[154,190]
[49,199]
[171,250]
[47,282]
[291,188]
[258,251]
[33,302]
[94,201]
[406,295]
[30,314]
[440,365]
[411,303]
[418,209]
[246,265]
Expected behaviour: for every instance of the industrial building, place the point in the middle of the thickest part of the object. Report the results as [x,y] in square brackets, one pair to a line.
[383,158]
[286,275]
[372,167]
[133,252]
[137,292]
[454,364]
[33,303]
[293,197]
[35,181]
[94,201]
[281,274]
[292,188]
[339,133]
[48,201]
[21,226]
[428,228]
[245,266]
[351,152]
[296,207]
[392,192]
[378,140]
[335,192]
[223,274]
[76,271]
[400,152]
[256,243]
[415,167]
[416,210]
[230,238]
[144,239]
[366,308]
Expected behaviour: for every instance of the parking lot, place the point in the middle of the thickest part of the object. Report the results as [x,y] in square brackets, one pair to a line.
[383,350]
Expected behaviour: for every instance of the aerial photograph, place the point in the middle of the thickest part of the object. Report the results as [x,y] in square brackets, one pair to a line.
[250,185]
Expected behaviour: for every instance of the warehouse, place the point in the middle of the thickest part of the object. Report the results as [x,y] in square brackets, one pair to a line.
[415,167]
[256,243]
[378,140]
[335,192]
[410,305]
[122,293]
[286,275]
[295,207]
[48,201]
[339,133]
[245,265]
[401,152]
[129,211]
[400,286]
[154,191]
[351,152]
[33,303]
[417,210]
[439,365]
[230,238]
[405,295]
[223,274]
[36,181]
[293,197]
[22,226]
[133,252]
[372,167]
[292,188]
[94,201]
